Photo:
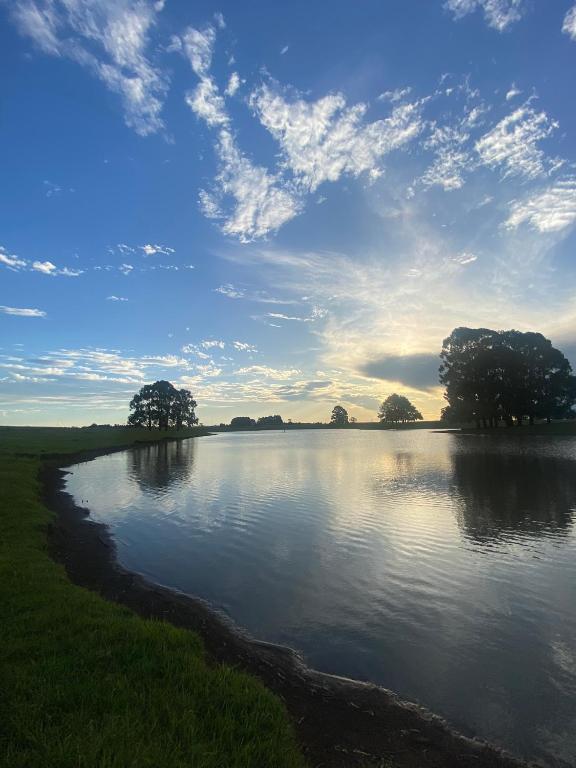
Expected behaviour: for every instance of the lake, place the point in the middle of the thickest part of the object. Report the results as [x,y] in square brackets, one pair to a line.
[439,565]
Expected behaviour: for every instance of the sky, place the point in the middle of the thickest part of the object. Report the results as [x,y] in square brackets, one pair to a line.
[279,206]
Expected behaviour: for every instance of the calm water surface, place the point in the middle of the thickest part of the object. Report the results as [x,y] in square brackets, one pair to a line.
[441,566]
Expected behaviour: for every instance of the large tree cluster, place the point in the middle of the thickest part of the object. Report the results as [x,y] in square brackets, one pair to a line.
[162,406]
[270,421]
[493,376]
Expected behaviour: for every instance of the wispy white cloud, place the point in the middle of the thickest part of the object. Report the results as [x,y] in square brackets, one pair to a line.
[46,267]
[249,201]
[512,92]
[398,94]
[257,296]
[212,344]
[230,291]
[320,141]
[471,139]
[110,38]
[465,258]
[193,349]
[255,201]
[209,369]
[450,143]
[243,346]
[499,14]
[22,312]
[11,261]
[124,249]
[116,298]
[550,210]
[569,25]
[51,189]
[152,250]
[282,316]
[268,372]
[512,145]
[17,264]
[207,103]
[198,46]
[91,365]
[317,314]
[325,139]
[233,84]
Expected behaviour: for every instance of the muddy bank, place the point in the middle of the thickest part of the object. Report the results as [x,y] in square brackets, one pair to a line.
[340,723]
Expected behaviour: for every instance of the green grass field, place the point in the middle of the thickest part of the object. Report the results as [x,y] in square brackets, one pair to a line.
[88,684]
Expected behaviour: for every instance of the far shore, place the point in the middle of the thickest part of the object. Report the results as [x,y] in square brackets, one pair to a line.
[555,428]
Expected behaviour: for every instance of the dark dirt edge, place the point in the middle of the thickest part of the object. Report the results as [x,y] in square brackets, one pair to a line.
[339,723]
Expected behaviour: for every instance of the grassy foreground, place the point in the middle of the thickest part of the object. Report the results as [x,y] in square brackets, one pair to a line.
[88,684]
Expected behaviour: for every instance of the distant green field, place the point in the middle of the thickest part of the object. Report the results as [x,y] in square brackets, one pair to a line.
[55,440]
[88,684]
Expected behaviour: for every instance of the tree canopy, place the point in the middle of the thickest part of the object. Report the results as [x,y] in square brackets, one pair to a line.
[270,421]
[242,421]
[504,375]
[162,406]
[397,409]
[339,416]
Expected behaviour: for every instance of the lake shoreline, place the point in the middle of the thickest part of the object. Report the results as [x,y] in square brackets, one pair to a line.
[338,722]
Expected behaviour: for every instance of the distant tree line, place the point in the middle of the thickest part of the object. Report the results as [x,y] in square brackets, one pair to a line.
[504,376]
[241,422]
[162,406]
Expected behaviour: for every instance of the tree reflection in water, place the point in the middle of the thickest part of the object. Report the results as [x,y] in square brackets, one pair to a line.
[158,467]
[501,494]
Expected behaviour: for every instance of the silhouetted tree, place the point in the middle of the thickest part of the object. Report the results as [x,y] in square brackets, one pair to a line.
[397,409]
[242,421]
[183,409]
[275,421]
[493,375]
[339,416]
[163,406]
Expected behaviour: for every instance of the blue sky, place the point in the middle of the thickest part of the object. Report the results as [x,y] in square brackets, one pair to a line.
[281,206]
